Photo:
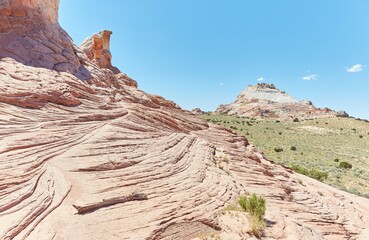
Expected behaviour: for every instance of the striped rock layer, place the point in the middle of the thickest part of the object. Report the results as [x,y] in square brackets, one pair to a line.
[84,154]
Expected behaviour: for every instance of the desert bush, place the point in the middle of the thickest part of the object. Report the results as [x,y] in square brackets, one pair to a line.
[296,120]
[345,165]
[278,149]
[254,205]
[318,175]
[336,160]
[280,133]
[293,148]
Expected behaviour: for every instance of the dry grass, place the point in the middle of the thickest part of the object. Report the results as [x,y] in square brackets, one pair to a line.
[317,143]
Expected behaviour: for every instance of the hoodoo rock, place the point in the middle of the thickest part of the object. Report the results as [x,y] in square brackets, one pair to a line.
[97,49]
[266,101]
[90,156]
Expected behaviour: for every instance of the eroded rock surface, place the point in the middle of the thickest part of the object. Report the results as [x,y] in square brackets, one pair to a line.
[266,101]
[100,159]
[197,111]
[97,49]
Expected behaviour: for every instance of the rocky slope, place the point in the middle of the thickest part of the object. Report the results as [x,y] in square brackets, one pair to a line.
[267,101]
[86,155]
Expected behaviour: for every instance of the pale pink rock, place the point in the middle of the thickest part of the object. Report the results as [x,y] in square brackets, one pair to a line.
[266,101]
[101,159]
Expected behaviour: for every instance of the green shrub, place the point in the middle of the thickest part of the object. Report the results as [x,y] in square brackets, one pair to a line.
[293,148]
[278,149]
[255,206]
[296,120]
[280,133]
[318,175]
[300,170]
[345,165]
[336,160]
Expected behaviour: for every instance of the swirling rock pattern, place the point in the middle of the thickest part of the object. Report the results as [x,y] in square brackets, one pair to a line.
[100,159]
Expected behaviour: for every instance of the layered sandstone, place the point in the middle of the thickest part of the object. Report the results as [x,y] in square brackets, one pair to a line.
[97,49]
[266,101]
[197,111]
[100,159]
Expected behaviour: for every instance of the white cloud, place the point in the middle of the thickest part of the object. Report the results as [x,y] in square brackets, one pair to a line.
[354,69]
[260,79]
[310,77]
[221,84]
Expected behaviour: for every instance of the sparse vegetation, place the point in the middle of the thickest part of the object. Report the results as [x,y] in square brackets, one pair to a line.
[317,146]
[255,206]
[345,165]
[293,148]
[318,175]
[278,149]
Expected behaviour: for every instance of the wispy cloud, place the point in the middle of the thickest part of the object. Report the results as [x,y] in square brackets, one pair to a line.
[260,79]
[354,69]
[310,77]
[221,84]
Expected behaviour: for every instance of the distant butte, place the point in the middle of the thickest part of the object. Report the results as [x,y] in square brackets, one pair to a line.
[85,154]
[266,101]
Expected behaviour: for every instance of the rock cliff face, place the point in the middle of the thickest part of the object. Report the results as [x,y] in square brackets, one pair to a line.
[92,157]
[266,101]
[30,34]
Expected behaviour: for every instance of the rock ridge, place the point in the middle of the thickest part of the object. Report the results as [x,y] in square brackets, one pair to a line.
[267,101]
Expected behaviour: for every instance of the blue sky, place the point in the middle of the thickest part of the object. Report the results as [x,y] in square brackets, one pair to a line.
[202,53]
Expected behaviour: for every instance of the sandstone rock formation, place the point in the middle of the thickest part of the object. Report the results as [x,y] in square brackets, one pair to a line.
[197,111]
[97,49]
[100,159]
[342,114]
[266,101]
